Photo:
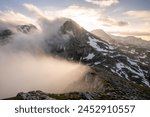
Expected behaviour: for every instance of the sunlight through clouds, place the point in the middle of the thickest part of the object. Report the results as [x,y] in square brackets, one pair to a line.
[88,17]
[91,18]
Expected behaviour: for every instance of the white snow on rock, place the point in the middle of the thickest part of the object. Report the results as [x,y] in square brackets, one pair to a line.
[139,69]
[138,72]
[148,51]
[89,57]
[120,67]
[96,63]
[111,48]
[119,70]
[143,57]
[132,51]
[93,43]
[145,82]
[132,62]
[112,70]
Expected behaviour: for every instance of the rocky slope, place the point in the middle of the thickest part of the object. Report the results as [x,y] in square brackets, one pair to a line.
[90,49]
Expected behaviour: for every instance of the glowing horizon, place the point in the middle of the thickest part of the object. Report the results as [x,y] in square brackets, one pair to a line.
[115,16]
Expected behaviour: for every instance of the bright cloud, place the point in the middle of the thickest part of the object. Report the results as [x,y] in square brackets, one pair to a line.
[51,15]
[91,18]
[88,18]
[107,21]
[34,9]
[9,18]
[140,17]
[103,3]
[144,35]
[133,33]
[144,15]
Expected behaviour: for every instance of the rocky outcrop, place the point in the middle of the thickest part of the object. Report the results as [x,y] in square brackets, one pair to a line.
[33,95]
[26,28]
[5,35]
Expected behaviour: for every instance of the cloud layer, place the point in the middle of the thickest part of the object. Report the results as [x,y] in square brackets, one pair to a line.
[103,3]
[91,18]
[88,18]
[11,18]
[143,15]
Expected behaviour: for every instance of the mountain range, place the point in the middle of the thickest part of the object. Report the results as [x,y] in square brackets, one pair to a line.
[120,69]
[127,40]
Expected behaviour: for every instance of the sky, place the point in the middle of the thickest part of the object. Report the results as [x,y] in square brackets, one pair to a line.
[118,17]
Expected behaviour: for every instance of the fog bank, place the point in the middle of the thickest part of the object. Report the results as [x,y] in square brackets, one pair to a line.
[25,72]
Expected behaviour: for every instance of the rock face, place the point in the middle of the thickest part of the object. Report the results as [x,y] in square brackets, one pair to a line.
[5,33]
[26,28]
[4,36]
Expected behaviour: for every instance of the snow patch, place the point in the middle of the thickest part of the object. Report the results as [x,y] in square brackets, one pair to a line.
[96,63]
[89,57]
[145,82]
[93,42]
[143,57]
[120,72]
[132,51]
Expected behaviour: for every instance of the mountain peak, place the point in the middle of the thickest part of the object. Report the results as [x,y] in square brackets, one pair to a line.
[26,28]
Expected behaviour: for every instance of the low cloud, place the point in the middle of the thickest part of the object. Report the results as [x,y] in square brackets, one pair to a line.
[122,23]
[107,21]
[11,19]
[25,64]
[143,15]
[33,9]
[26,72]
[132,33]
[103,3]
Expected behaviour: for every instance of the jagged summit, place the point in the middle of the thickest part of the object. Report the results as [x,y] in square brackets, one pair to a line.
[70,25]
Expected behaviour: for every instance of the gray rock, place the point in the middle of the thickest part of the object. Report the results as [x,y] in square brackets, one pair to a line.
[33,95]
